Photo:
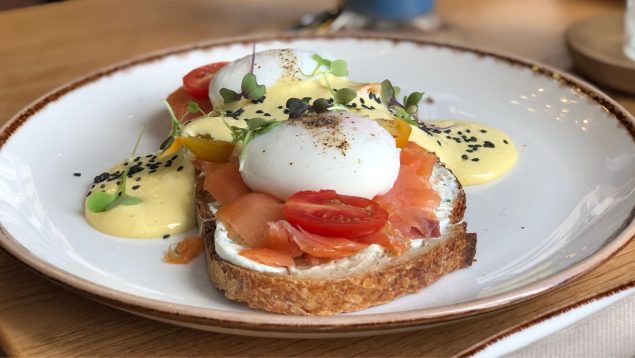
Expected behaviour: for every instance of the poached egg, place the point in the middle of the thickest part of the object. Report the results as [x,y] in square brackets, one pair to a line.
[340,151]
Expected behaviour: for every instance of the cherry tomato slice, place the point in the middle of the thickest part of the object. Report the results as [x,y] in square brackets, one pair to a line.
[398,128]
[330,214]
[196,82]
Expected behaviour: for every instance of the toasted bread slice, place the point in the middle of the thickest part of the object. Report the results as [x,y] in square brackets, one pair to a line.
[328,292]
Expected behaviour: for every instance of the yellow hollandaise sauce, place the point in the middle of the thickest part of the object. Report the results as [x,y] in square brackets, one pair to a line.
[166,189]
[475,153]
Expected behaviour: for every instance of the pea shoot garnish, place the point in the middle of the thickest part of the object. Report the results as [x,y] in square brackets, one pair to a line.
[100,201]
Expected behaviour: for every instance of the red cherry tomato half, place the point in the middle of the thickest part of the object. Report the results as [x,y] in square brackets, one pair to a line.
[327,213]
[196,82]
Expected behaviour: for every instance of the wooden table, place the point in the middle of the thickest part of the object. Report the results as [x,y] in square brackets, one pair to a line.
[44,47]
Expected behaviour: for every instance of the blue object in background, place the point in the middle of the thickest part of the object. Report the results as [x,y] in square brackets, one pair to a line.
[396,10]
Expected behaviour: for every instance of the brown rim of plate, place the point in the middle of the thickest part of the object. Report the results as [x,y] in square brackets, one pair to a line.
[481,346]
[257,321]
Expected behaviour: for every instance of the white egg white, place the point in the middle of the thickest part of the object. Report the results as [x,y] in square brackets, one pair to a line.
[340,151]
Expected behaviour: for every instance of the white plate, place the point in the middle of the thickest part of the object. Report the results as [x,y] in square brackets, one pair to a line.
[564,209]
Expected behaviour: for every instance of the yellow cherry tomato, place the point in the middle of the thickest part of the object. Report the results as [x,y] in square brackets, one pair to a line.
[211,150]
[173,148]
[398,128]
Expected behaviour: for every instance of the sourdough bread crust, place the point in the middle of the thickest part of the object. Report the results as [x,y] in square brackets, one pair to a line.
[291,295]
[299,295]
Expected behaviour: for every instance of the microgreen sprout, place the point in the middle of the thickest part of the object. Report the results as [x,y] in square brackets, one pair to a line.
[100,201]
[255,127]
[297,107]
[406,110]
[177,126]
[337,68]
[249,88]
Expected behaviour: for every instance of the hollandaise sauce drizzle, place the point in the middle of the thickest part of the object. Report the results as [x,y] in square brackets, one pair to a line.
[166,189]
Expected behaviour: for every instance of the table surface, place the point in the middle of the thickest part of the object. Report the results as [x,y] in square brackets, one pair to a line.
[44,47]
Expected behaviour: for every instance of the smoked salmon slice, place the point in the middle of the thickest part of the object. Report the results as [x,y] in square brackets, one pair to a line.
[224,182]
[179,100]
[410,203]
[247,218]
[268,257]
[320,246]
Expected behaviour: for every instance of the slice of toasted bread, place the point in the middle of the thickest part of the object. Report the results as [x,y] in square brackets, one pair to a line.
[310,292]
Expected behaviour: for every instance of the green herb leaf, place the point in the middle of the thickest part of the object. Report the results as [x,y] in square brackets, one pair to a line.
[98,201]
[338,68]
[126,199]
[321,60]
[321,105]
[345,95]
[229,96]
[296,107]
[411,103]
[193,107]
[387,92]
[251,89]
[255,123]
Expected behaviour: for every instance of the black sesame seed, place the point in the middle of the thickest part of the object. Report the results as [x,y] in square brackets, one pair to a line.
[488,144]
[361,100]
[439,143]
[137,179]
[286,111]
[135,187]
[179,168]
[260,111]
[89,192]
[505,141]
[166,236]
[174,157]
[119,194]
[448,137]
[468,131]
[469,150]
[101,177]
[152,171]
[118,182]
[77,174]
[102,186]
[475,159]
[483,131]
[464,157]
[267,114]
[280,107]
[148,156]
[459,133]
[447,131]
[136,159]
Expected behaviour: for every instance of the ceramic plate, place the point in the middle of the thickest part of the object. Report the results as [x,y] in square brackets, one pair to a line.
[564,209]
